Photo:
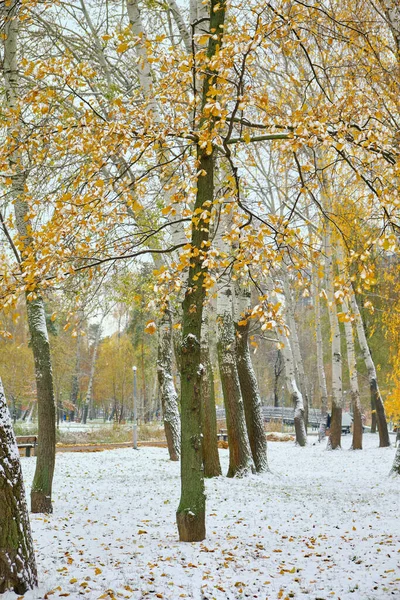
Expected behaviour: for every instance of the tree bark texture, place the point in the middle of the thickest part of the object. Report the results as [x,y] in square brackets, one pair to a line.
[17,557]
[337,394]
[240,459]
[248,383]
[295,344]
[354,388]
[89,399]
[320,360]
[290,374]
[169,398]
[376,397]
[212,466]
[43,478]
[191,510]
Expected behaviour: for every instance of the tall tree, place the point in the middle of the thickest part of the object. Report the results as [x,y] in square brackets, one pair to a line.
[191,510]
[43,478]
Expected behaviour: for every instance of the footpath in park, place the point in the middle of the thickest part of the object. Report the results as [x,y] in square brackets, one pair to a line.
[321,525]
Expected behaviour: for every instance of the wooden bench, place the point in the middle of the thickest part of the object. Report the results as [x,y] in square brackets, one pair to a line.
[223,435]
[27,442]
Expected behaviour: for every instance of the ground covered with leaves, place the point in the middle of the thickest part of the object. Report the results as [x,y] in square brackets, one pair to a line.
[321,525]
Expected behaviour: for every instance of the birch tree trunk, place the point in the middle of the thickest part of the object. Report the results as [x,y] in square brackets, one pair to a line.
[354,389]
[384,440]
[212,466]
[43,478]
[17,557]
[295,344]
[240,459]
[248,381]
[75,379]
[320,360]
[169,400]
[89,393]
[169,397]
[290,376]
[337,395]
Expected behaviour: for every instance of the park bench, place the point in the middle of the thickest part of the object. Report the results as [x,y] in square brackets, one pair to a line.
[27,442]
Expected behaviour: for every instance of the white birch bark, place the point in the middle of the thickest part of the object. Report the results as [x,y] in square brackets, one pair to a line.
[247,378]
[89,393]
[320,358]
[169,397]
[384,440]
[240,459]
[354,388]
[295,343]
[337,391]
[292,385]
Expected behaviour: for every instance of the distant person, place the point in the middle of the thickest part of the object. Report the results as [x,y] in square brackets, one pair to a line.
[328,421]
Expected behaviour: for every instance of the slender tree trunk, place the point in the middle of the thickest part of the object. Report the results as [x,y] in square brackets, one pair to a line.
[337,395]
[89,393]
[248,383]
[42,482]
[278,368]
[240,459]
[290,375]
[191,510]
[169,398]
[295,344]
[384,440]
[320,361]
[212,466]
[294,391]
[373,414]
[355,392]
[17,557]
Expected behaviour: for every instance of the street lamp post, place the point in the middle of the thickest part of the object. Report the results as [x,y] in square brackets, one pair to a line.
[135,445]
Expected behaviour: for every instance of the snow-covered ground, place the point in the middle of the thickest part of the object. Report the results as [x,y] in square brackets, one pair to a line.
[322,525]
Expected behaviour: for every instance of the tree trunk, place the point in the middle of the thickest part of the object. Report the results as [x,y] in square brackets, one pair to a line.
[295,344]
[17,557]
[212,466]
[169,398]
[89,394]
[395,470]
[278,368]
[376,398]
[42,482]
[294,391]
[320,360]
[337,394]
[190,515]
[373,414]
[290,373]
[240,459]
[355,392]
[248,383]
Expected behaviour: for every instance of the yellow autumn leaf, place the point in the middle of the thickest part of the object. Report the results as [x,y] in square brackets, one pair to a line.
[150,327]
[122,47]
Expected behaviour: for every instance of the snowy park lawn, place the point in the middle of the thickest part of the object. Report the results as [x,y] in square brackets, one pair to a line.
[321,525]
